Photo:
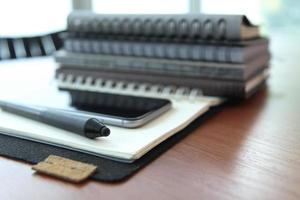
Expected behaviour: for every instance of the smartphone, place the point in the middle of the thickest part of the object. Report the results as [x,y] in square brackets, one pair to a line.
[119,110]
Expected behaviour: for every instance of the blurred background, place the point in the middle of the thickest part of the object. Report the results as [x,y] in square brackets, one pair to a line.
[32,17]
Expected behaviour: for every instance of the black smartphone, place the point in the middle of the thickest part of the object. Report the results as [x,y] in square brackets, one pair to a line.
[119,110]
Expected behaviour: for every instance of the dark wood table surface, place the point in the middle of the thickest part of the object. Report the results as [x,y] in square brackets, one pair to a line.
[246,151]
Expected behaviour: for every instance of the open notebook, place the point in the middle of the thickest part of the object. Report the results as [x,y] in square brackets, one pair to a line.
[123,144]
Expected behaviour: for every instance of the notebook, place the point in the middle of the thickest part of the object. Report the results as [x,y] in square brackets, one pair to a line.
[76,79]
[123,144]
[203,26]
[166,67]
[210,51]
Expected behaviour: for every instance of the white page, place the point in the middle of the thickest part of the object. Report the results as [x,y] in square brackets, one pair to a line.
[121,143]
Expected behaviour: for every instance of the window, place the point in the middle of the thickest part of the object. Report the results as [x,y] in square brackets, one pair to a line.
[32,17]
[141,6]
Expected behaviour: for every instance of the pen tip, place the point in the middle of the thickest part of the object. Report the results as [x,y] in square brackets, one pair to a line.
[94,128]
[105,131]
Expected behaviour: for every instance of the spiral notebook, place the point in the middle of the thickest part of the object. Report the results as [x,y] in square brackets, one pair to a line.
[123,144]
[204,26]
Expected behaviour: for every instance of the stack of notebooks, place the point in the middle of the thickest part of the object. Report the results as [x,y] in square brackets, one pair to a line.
[192,60]
[219,55]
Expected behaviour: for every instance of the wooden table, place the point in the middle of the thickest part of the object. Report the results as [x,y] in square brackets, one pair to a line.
[246,151]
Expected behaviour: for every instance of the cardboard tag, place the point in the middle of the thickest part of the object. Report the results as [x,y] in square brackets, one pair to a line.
[66,169]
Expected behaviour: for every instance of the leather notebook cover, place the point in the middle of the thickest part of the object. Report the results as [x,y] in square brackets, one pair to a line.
[107,170]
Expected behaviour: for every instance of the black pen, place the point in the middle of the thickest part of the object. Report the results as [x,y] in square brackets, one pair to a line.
[80,124]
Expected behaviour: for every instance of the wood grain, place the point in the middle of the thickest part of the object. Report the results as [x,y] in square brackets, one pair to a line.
[249,150]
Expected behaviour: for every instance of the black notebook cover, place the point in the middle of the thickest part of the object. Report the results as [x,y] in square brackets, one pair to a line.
[108,170]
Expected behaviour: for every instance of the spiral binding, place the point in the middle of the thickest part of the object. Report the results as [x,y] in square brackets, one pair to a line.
[206,27]
[69,81]
[201,52]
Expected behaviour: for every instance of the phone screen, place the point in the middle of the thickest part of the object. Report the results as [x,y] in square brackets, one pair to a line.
[119,106]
